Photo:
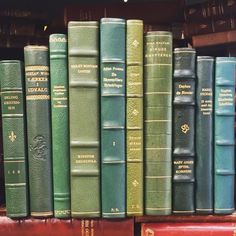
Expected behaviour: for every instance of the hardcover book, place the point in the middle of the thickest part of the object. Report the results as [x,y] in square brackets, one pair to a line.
[134,118]
[112,40]
[224,173]
[83,52]
[184,131]
[60,124]
[39,130]
[14,138]
[158,122]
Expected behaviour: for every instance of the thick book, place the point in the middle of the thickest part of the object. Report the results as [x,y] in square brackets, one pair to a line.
[184,130]
[68,227]
[204,134]
[187,229]
[39,130]
[83,50]
[224,163]
[112,45]
[158,122]
[134,118]
[14,138]
[60,124]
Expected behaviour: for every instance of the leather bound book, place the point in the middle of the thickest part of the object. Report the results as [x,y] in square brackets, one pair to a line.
[204,134]
[60,124]
[112,40]
[134,119]
[158,122]
[14,138]
[83,49]
[38,130]
[224,172]
[186,229]
[184,130]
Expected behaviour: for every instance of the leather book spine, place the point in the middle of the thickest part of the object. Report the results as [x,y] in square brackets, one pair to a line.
[14,138]
[204,134]
[184,131]
[39,130]
[224,162]
[134,119]
[112,40]
[83,49]
[186,229]
[60,124]
[158,122]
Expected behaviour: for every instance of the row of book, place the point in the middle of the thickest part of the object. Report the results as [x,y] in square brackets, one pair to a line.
[94,111]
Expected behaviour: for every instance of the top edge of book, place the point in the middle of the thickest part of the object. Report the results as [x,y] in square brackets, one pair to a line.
[83,23]
[113,20]
[57,35]
[135,21]
[192,50]
[227,59]
[36,47]
[10,61]
[205,58]
[159,33]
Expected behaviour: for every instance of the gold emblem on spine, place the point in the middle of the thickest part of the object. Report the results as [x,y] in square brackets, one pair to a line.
[185,128]
[149,232]
[12,136]
[135,183]
[135,43]
[135,112]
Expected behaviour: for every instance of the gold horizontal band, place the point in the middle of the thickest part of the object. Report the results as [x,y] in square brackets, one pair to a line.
[158,177]
[156,148]
[205,209]
[223,209]
[183,211]
[158,64]
[149,93]
[45,213]
[87,212]
[37,97]
[35,68]
[13,161]
[17,184]
[134,212]
[12,91]
[114,213]
[158,208]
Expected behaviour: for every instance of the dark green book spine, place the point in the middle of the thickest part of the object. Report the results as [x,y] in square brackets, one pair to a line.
[83,43]
[158,117]
[60,124]
[204,135]
[14,138]
[113,117]
[39,130]
[184,131]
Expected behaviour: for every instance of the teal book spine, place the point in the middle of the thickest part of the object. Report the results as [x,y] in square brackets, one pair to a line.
[112,40]
[14,138]
[60,124]
[224,172]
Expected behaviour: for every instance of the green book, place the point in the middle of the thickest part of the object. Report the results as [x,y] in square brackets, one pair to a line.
[60,124]
[14,138]
[39,130]
[134,118]
[158,116]
[83,51]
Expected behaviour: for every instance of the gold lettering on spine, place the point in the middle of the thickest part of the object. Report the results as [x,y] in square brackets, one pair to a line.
[85,159]
[225,97]
[112,79]
[206,101]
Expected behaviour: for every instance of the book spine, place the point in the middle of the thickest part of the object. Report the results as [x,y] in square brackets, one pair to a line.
[134,119]
[14,138]
[224,135]
[186,229]
[158,117]
[113,116]
[60,124]
[204,135]
[184,131]
[83,49]
[39,130]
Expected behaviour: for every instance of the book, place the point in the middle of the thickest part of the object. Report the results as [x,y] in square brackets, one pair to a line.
[113,71]
[60,124]
[204,134]
[224,162]
[83,52]
[39,130]
[186,229]
[158,122]
[14,138]
[134,118]
[184,130]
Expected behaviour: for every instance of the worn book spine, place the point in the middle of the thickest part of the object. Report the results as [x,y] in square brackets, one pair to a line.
[112,45]
[83,50]
[39,130]
[204,134]
[224,162]
[158,122]
[14,138]
[184,131]
[60,124]
[134,118]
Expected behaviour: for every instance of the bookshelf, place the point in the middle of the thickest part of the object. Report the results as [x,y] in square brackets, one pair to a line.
[46,20]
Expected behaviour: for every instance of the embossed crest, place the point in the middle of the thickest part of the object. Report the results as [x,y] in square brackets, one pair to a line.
[12,136]
[39,147]
[185,128]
